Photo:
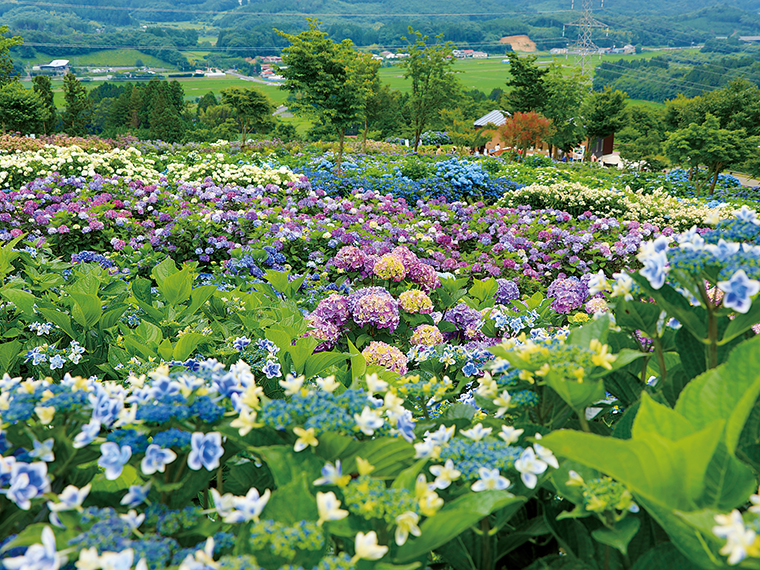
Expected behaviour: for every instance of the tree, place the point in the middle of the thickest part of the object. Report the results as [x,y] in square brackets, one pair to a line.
[21,110]
[562,103]
[709,145]
[208,100]
[430,68]
[527,82]
[78,111]
[7,70]
[642,137]
[523,130]
[603,113]
[253,110]
[462,131]
[165,123]
[330,81]
[43,87]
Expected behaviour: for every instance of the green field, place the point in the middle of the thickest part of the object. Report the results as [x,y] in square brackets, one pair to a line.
[489,74]
[105,58]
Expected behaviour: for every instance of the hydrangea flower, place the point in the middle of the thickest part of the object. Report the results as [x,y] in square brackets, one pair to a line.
[113,458]
[206,451]
[382,354]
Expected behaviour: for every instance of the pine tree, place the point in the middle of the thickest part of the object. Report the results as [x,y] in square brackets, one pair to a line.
[78,111]
[44,89]
[165,123]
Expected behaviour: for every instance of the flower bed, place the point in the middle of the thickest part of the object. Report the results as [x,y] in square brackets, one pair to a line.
[220,364]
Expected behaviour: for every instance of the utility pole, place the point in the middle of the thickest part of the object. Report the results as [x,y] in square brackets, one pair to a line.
[585,46]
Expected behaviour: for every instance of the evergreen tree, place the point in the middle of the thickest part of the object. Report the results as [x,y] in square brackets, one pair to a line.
[527,82]
[165,123]
[208,100]
[43,87]
[78,111]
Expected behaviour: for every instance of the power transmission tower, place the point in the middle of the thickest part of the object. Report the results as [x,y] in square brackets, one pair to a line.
[585,46]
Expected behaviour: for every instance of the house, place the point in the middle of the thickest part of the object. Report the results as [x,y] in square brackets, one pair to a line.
[55,67]
[558,51]
[494,119]
[479,55]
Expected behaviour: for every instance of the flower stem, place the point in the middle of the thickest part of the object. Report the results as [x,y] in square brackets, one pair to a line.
[660,358]
[486,562]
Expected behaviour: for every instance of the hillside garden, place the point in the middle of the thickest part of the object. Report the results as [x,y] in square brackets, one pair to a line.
[226,358]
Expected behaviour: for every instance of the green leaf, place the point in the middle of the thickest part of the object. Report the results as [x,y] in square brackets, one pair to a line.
[9,353]
[358,362]
[596,329]
[87,309]
[742,323]
[637,315]
[483,289]
[163,270]
[113,315]
[186,345]
[60,319]
[453,519]
[620,536]
[577,395]
[662,557]
[22,299]
[286,465]
[669,472]
[408,477]
[727,392]
[176,288]
[317,363]
[165,349]
[657,418]
[278,280]
[676,305]
[198,298]
[141,289]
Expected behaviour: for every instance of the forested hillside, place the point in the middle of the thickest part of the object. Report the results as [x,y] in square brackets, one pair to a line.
[246,25]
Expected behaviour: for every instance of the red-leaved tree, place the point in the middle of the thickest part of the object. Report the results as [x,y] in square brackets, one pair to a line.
[523,130]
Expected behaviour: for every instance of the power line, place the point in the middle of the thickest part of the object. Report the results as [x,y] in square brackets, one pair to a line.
[683,81]
[659,80]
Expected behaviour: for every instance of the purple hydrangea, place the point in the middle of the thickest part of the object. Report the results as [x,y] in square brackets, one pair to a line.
[333,309]
[468,322]
[569,293]
[506,292]
[374,306]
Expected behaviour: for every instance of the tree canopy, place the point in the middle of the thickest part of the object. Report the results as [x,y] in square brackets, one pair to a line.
[434,83]
[330,81]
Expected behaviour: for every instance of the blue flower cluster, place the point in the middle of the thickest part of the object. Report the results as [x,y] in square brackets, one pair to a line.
[284,540]
[469,456]
[323,411]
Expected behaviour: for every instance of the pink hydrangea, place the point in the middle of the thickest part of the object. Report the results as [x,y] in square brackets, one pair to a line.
[425,276]
[349,258]
[333,309]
